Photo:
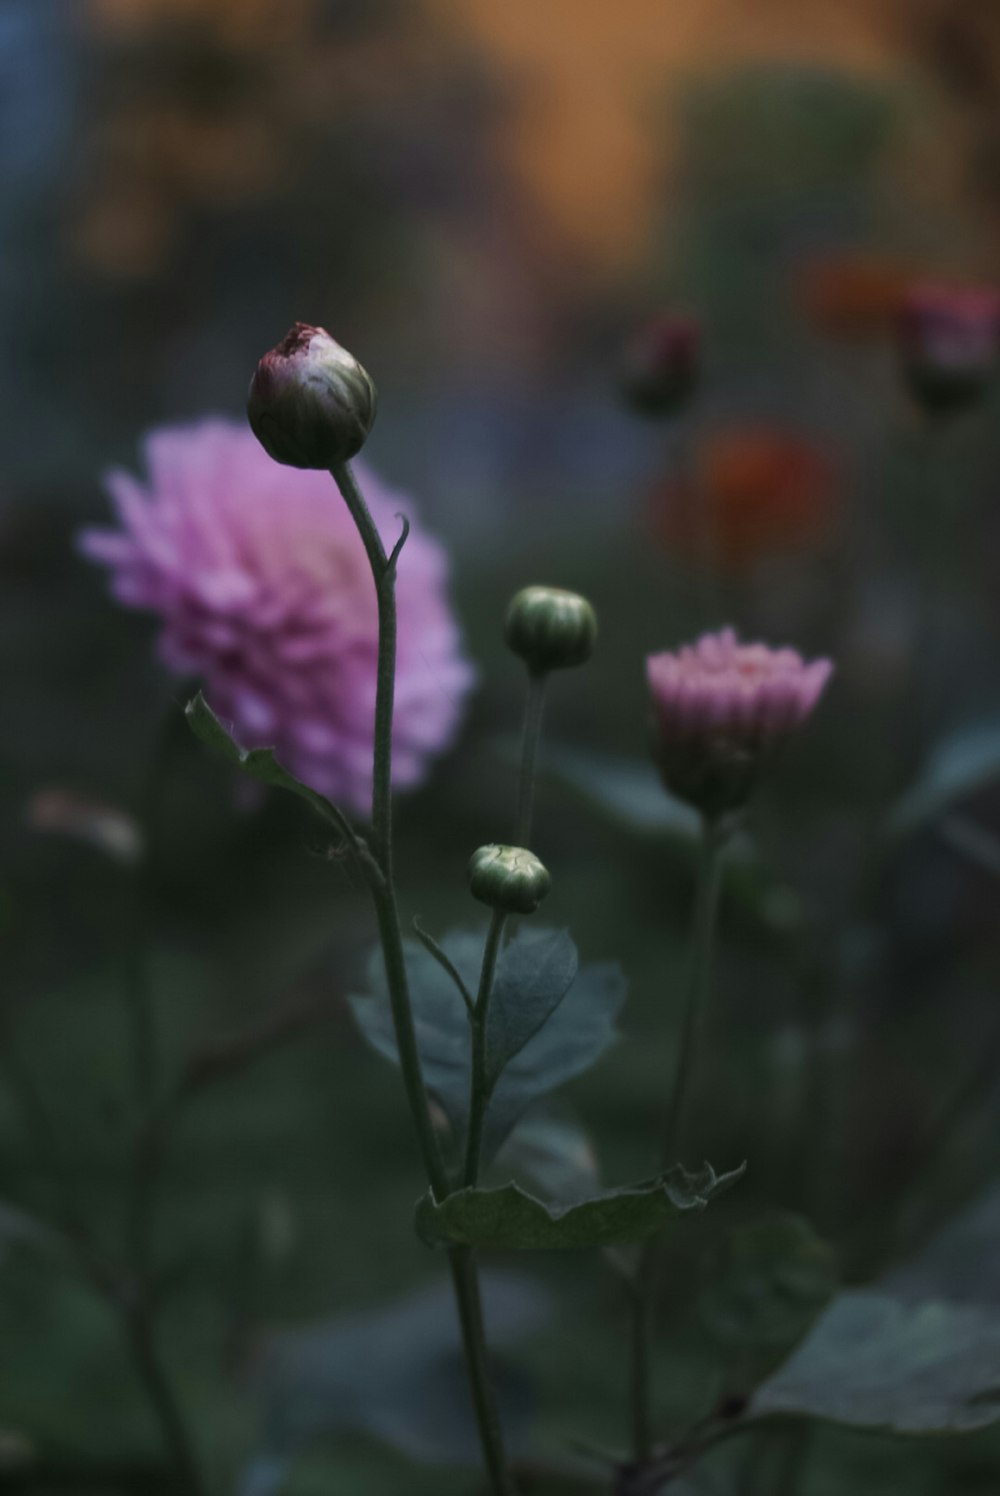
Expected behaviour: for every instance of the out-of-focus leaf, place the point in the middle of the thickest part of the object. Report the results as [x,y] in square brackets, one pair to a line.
[874,1362]
[773,1279]
[510,1218]
[961,1263]
[965,762]
[395,1373]
[533,975]
[555,1154]
[576,1032]
[19,1228]
[628,789]
[258,763]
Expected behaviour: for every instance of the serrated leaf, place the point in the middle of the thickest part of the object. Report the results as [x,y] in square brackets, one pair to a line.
[773,1278]
[964,763]
[876,1363]
[512,1219]
[574,1033]
[395,1373]
[259,763]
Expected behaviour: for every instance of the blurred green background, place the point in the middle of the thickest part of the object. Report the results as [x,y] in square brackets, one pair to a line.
[482,202]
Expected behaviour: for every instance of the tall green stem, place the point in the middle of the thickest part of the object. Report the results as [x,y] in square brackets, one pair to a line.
[645,1283]
[478,1093]
[463,1267]
[531,736]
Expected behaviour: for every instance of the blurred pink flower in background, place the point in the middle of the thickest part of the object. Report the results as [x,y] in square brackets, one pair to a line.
[265,593]
[721,708]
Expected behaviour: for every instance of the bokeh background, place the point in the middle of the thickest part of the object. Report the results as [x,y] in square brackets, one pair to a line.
[483,201]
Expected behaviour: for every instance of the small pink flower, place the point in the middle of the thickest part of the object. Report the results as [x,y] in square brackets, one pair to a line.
[949,341]
[661,365]
[721,708]
[263,589]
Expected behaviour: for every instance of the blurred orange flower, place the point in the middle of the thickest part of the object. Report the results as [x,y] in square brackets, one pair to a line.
[855,297]
[754,492]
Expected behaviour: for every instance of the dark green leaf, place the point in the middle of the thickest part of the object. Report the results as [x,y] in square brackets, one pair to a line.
[773,1279]
[395,1373]
[964,763]
[574,1035]
[259,763]
[874,1362]
[628,789]
[533,975]
[509,1217]
[961,1263]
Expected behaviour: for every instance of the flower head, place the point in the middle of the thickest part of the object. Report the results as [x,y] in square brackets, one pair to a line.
[508,878]
[550,628]
[721,709]
[311,404]
[264,591]
[949,342]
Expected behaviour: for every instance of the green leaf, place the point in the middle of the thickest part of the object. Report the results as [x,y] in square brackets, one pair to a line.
[510,1218]
[19,1228]
[577,1023]
[260,764]
[960,1263]
[964,763]
[773,1278]
[395,1373]
[533,975]
[876,1363]
[628,789]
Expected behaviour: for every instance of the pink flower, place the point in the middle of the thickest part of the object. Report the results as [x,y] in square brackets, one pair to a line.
[721,709]
[264,592]
[949,340]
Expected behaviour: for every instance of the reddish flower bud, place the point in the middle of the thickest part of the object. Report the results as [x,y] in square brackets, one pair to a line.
[311,404]
[949,338]
[661,366]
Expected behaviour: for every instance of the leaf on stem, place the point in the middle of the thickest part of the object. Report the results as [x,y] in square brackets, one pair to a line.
[548,1021]
[510,1218]
[261,764]
[874,1362]
[554,1154]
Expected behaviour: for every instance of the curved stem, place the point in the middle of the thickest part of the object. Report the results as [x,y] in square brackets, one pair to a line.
[534,708]
[463,1266]
[478,1093]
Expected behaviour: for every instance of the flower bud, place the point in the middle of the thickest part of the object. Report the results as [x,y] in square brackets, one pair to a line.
[311,404]
[508,878]
[550,629]
[721,710]
[661,366]
[949,339]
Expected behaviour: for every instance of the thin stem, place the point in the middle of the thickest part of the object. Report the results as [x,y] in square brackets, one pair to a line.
[478,1092]
[463,1266]
[470,1312]
[383,570]
[162,1398]
[534,708]
[699,977]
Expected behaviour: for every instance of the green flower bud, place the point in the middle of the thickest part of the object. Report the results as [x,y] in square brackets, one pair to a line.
[550,629]
[508,878]
[311,404]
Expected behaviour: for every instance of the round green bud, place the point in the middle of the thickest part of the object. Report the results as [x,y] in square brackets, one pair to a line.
[508,878]
[311,404]
[550,629]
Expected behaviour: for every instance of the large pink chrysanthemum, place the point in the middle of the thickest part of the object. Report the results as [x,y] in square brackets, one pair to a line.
[265,593]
